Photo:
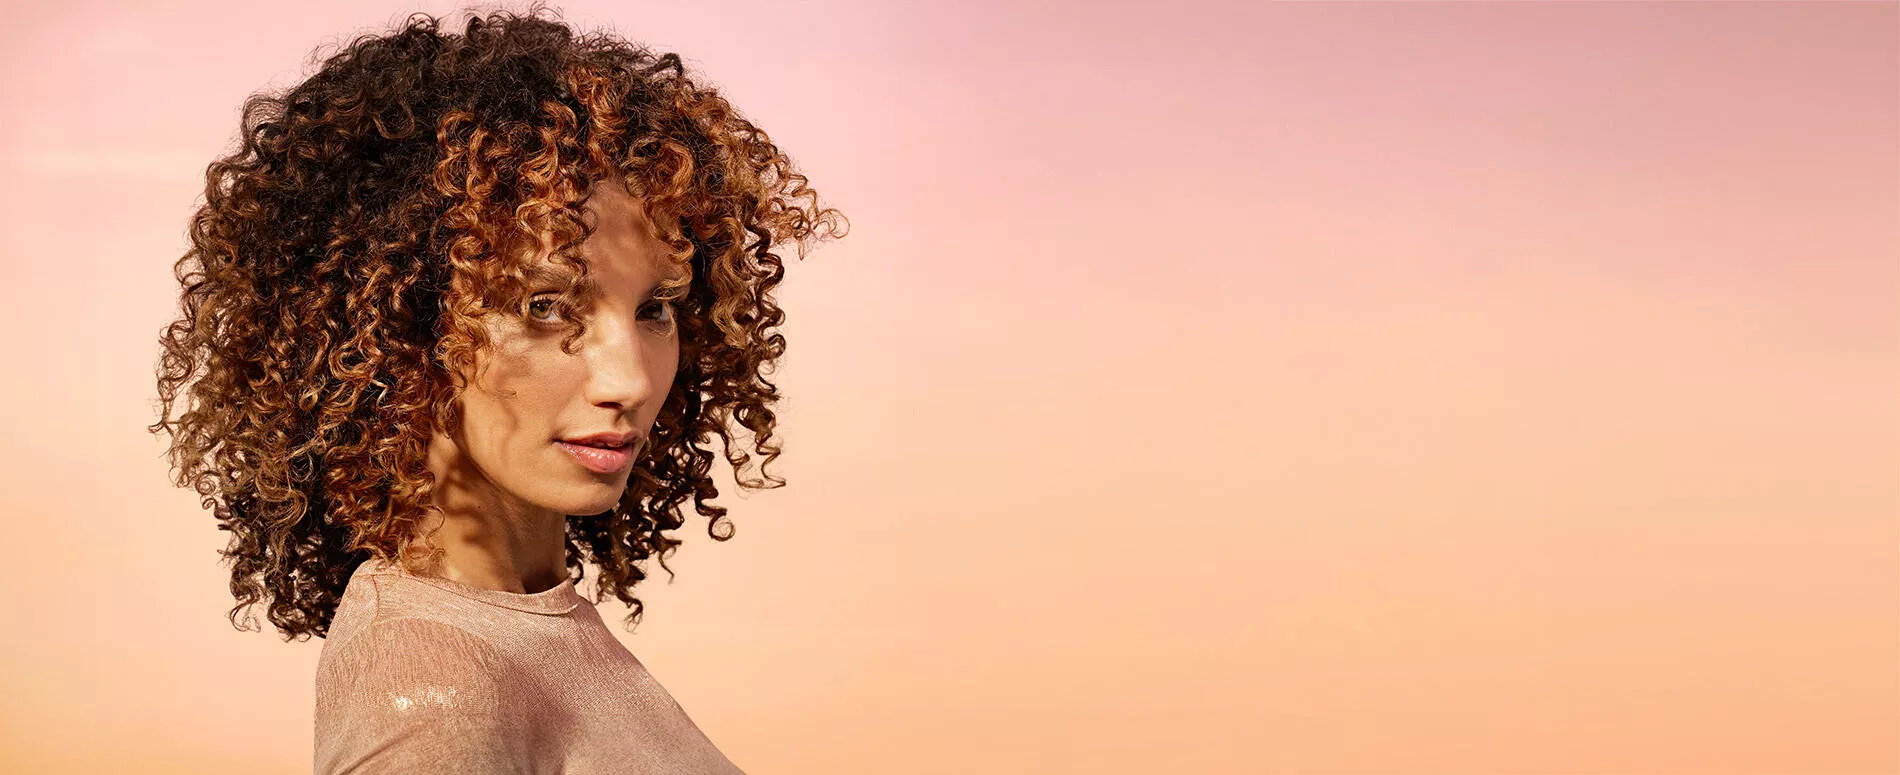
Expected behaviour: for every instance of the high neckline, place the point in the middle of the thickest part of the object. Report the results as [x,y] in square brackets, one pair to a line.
[554,601]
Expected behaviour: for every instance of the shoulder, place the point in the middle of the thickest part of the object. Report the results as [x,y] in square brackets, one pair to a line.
[412,694]
[419,655]
[385,614]
[415,669]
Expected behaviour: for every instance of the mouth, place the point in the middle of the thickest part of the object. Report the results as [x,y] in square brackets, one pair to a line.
[601,454]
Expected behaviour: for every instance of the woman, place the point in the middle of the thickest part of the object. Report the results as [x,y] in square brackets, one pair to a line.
[458,316]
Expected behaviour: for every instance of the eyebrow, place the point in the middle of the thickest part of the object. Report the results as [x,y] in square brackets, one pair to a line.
[670,275]
[551,274]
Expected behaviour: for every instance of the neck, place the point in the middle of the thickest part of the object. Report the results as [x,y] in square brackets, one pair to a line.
[488,538]
[509,552]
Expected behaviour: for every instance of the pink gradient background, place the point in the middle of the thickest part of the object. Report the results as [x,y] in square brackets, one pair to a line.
[1281,387]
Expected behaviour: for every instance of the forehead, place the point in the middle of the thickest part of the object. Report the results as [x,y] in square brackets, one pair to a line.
[625,246]
[625,242]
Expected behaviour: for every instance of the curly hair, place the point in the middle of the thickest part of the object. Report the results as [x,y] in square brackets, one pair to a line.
[346,250]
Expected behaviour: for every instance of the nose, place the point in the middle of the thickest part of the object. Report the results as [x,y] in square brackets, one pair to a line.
[616,355]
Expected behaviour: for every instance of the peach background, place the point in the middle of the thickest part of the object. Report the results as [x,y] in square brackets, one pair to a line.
[1280,387]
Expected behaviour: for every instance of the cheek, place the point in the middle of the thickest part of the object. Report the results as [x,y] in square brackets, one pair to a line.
[519,397]
[664,364]
[489,416]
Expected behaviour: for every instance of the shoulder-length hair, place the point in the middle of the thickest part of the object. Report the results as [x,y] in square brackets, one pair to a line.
[346,250]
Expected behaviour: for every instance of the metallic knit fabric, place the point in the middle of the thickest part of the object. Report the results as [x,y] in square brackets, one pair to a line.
[421,674]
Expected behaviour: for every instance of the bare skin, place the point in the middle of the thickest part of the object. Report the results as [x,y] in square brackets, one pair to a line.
[505,486]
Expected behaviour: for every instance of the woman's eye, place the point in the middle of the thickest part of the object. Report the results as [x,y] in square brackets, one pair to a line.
[663,311]
[541,309]
[547,310]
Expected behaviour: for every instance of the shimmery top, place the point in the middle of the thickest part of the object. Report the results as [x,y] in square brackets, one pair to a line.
[422,674]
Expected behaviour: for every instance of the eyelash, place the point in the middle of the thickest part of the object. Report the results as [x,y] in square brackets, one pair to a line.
[663,305]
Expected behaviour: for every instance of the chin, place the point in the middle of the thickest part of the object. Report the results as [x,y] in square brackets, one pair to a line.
[590,499]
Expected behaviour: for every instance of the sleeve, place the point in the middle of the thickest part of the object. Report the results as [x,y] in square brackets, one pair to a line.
[418,696]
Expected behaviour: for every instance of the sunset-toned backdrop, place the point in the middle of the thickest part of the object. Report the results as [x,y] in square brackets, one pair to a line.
[1320,387]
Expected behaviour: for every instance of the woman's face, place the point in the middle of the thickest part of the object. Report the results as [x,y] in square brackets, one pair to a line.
[509,454]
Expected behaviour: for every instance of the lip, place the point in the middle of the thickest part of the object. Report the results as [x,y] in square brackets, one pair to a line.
[605,439]
[598,459]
